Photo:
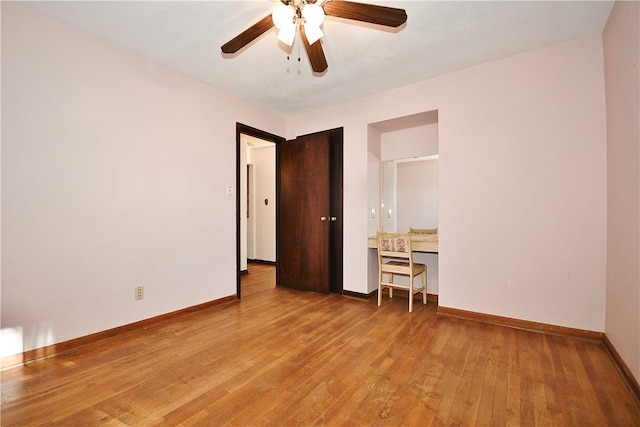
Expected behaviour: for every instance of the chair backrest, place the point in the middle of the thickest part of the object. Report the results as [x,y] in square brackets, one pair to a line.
[394,245]
[423,230]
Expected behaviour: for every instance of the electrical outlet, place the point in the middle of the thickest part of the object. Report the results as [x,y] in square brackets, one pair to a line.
[139,293]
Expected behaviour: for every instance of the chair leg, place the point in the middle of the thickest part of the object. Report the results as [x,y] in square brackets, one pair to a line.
[424,287]
[410,293]
[390,287]
[380,289]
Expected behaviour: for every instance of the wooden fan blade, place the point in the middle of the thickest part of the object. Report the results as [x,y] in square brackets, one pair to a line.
[374,14]
[315,53]
[248,35]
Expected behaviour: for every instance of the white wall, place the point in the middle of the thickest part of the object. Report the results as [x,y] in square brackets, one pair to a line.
[622,77]
[111,178]
[522,182]
[264,161]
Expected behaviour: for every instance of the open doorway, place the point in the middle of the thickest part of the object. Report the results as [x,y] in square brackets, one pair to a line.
[255,198]
[258,218]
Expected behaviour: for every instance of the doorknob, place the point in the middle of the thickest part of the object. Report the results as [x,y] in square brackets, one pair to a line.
[334,219]
[323,218]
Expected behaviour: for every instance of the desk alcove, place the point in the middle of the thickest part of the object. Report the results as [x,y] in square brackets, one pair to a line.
[403,187]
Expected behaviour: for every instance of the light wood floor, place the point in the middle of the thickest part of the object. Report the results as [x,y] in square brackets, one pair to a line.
[281,357]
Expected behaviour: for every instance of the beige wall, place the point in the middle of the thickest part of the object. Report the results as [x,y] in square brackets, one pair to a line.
[621,39]
[112,178]
[410,142]
[522,182]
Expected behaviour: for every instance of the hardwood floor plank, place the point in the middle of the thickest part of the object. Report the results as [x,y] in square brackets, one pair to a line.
[491,403]
[284,357]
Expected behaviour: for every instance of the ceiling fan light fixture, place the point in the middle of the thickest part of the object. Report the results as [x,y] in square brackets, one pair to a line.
[313,15]
[313,33]
[283,16]
[287,34]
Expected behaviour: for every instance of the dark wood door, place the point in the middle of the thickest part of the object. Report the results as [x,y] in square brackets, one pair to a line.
[306,241]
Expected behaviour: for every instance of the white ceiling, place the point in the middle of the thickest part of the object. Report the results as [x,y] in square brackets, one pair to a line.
[439,37]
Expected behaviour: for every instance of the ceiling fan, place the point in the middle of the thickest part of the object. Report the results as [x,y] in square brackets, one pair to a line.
[306,16]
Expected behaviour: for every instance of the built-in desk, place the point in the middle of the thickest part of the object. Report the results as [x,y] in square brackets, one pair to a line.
[427,243]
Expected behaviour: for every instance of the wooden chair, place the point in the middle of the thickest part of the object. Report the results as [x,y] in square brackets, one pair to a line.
[395,257]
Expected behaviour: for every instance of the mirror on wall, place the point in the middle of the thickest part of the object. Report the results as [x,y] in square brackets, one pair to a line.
[407,149]
[402,164]
[409,193]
